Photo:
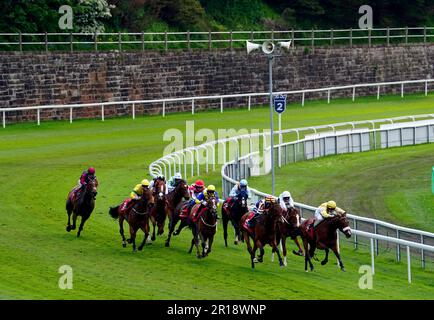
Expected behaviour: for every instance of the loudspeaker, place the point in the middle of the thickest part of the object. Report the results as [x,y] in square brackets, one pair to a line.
[285,45]
[268,47]
[252,46]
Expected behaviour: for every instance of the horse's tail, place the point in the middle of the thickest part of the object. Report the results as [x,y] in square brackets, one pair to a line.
[114,212]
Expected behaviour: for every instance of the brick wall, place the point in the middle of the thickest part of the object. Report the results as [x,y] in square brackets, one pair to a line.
[29,79]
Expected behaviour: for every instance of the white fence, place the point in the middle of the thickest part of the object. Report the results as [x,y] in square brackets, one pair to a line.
[357,140]
[210,39]
[219,98]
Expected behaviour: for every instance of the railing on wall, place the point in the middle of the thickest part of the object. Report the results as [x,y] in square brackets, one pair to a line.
[379,232]
[219,98]
[211,39]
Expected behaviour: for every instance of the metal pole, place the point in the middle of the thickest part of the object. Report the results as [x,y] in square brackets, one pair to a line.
[250,101]
[221,105]
[409,264]
[280,140]
[192,106]
[70,115]
[134,111]
[372,256]
[164,108]
[39,117]
[270,72]
[102,112]
[4,119]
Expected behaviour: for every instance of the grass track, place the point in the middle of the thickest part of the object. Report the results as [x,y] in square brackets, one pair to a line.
[39,165]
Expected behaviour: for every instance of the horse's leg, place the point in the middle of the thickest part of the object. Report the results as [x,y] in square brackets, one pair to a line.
[196,240]
[181,226]
[258,244]
[203,243]
[145,230]
[275,248]
[153,228]
[300,250]
[133,231]
[225,227]
[307,255]
[210,241]
[283,242]
[80,228]
[326,258]
[121,230]
[68,226]
[172,223]
[74,221]
[335,250]
[192,245]
[252,255]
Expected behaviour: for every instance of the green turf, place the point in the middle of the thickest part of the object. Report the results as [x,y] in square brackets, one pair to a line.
[39,165]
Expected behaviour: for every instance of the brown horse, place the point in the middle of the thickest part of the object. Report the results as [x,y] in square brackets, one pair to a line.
[288,226]
[203,227]
[174,199]
[324,237]
[264,232]
[137,217]
[161,208]
[81,204]
[233,213]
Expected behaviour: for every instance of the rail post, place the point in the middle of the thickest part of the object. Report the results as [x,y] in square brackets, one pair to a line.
[143,40]
[221,105]
[356,244]
[398,248]
[96,41]
[134,111]
[70,115]
[4,119]
[39,116]
[102,112]
[165,41]
[209,41]
[120,41]
[164,108]
[422,257]
[354,93]
[313,40]
[351,37]
[409,264]
[372,256]
[71,44]
[46,42]
[188,40]
[388,36]
[21,41]
[192,106]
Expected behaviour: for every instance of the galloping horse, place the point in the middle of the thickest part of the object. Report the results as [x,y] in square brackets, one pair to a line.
[234,213]
[288,226]
[324,237]
[203,226]
[137,217]
[174,199]
[82,206]
[264,232]
[161,208]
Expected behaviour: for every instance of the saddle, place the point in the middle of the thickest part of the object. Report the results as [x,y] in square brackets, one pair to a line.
[184,210]
[75,194]
[126,205]
[195,214]
[246,222]
[310,228]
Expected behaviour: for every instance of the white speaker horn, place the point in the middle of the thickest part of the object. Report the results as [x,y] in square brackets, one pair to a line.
[285,45]
[268,47]
[252,46]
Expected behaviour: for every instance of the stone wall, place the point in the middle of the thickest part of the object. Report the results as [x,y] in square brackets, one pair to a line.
[30,79]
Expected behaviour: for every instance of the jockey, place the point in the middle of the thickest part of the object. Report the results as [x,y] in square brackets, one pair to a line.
[86,176]
[327,210]
[135,194]
[195,190]
[173,182]
[258,209]
[286,201]
[203,197]
[242,185]
[236,190]
[139,189]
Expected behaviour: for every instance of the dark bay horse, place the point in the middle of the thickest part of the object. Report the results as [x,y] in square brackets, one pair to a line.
[174,199]
[289,226]
[233,214]
[324,237]
[82,206]
[137,217]
[203,227]
[264,232]
[161,208]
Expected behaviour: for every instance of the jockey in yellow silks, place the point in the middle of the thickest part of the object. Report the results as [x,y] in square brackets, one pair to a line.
[139,189]
[327,210]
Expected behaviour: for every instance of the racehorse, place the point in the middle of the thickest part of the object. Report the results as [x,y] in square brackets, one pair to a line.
[264,232]
[81,204]
[160,209]
[288,226]
[203,226]
[324,237]
[174,199]
[234,213]
[137,217]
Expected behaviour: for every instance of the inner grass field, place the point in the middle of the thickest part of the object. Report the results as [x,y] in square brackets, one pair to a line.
[40,164]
